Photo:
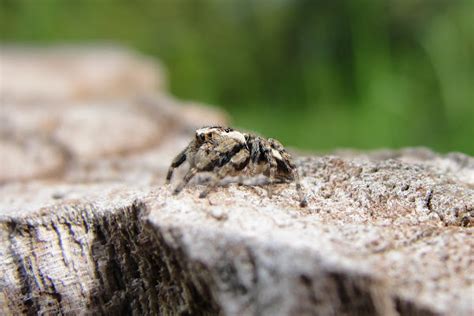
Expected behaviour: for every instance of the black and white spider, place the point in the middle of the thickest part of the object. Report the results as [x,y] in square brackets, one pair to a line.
[226,152]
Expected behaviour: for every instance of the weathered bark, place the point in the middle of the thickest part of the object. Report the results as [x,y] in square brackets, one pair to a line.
[63,74]
[87,226]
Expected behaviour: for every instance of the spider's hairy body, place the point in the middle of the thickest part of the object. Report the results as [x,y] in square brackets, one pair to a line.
[228,152]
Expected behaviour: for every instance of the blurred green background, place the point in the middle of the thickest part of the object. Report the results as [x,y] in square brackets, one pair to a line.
[314,74]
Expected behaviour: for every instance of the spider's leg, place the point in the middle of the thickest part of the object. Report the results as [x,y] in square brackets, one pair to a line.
[299,189]
[269,186]
[177,161]
[212,184]
[236,163]
[188,176]
[240,180]
[270,173]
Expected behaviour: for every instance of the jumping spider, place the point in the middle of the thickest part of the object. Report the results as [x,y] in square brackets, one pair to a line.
[228,152]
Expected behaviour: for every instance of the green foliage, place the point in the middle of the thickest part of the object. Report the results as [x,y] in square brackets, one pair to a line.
[314,74]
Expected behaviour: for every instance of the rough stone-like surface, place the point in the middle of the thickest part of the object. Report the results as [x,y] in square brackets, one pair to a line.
[87,226]
[371,222]
[26,155]
[373,239]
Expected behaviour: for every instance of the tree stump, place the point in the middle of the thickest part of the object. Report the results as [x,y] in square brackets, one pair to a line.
[88,226]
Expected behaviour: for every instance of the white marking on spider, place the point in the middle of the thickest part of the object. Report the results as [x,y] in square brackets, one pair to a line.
[237,136]
[276,154]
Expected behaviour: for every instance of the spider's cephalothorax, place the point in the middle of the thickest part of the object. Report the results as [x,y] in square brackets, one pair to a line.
[227,152]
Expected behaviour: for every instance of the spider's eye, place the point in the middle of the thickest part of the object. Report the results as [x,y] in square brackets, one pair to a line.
[201,137]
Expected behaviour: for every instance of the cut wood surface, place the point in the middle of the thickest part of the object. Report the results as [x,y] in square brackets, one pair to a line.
[88,226]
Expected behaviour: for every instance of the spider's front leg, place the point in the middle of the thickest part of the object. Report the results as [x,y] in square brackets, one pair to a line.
[222,173]
[188,176]
[177,161]
[238,162]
